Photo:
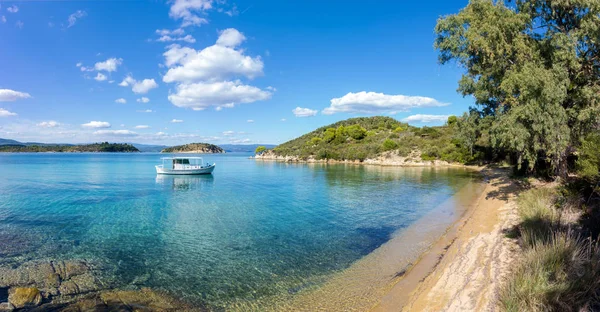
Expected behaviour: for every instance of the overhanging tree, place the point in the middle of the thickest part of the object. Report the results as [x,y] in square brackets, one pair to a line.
[534,67]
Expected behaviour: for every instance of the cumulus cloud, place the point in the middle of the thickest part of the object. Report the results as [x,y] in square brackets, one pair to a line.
[188,11]
[230,37]
[377,103]
[5,113]
[199,96]
[12,9]
[166,32]
[426,118]
[96,124]
[215,62]
[124,133]
[8,95]
[304,112]
[75,16]
[121,101]
[176,121]
[202,76]
[139,87]
[142,127]
[143,100]
[100,77]
[48,124]
[109,65]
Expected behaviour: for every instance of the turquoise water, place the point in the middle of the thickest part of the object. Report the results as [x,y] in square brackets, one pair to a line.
[251,231]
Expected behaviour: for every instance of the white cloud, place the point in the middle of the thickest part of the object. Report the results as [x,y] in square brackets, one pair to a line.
[250,120]
[19,24]
[73,17]
[176,121]
[5,113]
[3,19]
[199,96]
[228,133]
[12,9]
[125,133]
[50,24]
[8,95]
[283,119]
[79,64]
[377,103]
[145,111]
[166,32]
[426,118]
[48,124]
[127,81]
[167,38]
[96,124]
[230,38]
[142,127]
[304,112]
[109,65]
[143,100]
[100,77]
[188,10]
[238,141]
[139,87]
[216,62]
[121,101]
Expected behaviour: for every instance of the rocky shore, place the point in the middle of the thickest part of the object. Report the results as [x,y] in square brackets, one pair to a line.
[384,159]
[74,285]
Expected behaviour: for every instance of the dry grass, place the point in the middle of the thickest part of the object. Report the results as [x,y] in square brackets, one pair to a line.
[558,271]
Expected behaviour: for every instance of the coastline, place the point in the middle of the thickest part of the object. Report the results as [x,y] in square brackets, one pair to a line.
[364,285]
[464,269]
[385,159]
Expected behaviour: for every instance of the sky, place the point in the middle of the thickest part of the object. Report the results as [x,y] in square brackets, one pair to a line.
[217,71]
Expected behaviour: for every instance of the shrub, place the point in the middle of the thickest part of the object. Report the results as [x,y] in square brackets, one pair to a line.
[329,135]
[356,132]
[389,145]
[260,149]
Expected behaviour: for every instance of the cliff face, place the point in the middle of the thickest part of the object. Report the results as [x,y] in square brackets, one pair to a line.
[195,148]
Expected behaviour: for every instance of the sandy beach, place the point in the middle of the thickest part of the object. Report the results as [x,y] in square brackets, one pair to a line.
[464,269]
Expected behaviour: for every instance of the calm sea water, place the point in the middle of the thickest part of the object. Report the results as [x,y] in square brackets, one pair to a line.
[251,231]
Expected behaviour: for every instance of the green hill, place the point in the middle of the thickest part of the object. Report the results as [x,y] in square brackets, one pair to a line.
[369,137]
[197,148]
[104,147]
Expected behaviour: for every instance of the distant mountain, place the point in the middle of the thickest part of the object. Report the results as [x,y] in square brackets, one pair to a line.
[84,148]
[243,148]
[10,142]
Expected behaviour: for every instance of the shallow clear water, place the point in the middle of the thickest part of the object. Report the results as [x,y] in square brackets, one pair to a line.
[252,230]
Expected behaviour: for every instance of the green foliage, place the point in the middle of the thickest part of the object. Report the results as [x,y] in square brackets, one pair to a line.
[389,145]
[452,120]
[540,85]
[259,150]
[468,133]
[588,163]
[329,135]
[103,147]
[356,132]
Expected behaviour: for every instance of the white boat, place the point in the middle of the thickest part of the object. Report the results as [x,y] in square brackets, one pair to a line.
[184,165]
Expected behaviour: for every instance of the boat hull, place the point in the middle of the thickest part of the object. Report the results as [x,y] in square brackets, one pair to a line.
[204,170]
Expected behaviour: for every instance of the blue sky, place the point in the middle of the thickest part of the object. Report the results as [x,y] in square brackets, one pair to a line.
[247,71]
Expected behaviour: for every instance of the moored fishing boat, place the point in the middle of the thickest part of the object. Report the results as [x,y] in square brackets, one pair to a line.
[184,166]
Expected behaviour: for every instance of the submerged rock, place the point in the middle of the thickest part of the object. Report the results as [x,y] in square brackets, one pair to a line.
[6,307]
[22,297]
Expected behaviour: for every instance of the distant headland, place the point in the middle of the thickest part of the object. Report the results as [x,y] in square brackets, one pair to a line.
[103,147]
[196,148]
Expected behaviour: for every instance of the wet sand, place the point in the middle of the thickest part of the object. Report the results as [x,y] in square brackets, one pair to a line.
[378,275]
[464,269]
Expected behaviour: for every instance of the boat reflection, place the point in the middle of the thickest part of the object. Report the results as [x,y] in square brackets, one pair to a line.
[184,182]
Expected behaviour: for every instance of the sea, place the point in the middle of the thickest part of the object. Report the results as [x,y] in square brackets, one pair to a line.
[254,233]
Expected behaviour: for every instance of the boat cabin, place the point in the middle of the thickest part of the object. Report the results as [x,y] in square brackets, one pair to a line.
[183,163]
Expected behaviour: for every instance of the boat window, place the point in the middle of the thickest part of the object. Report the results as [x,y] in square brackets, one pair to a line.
[182,161]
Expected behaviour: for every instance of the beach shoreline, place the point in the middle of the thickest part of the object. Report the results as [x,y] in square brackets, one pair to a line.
[464,269]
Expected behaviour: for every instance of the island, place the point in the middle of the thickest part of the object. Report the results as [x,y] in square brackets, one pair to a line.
[103,147]
[195,148]
[380,139]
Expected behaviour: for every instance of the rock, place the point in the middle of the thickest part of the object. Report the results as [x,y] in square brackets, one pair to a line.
[6,307]
[22,297]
